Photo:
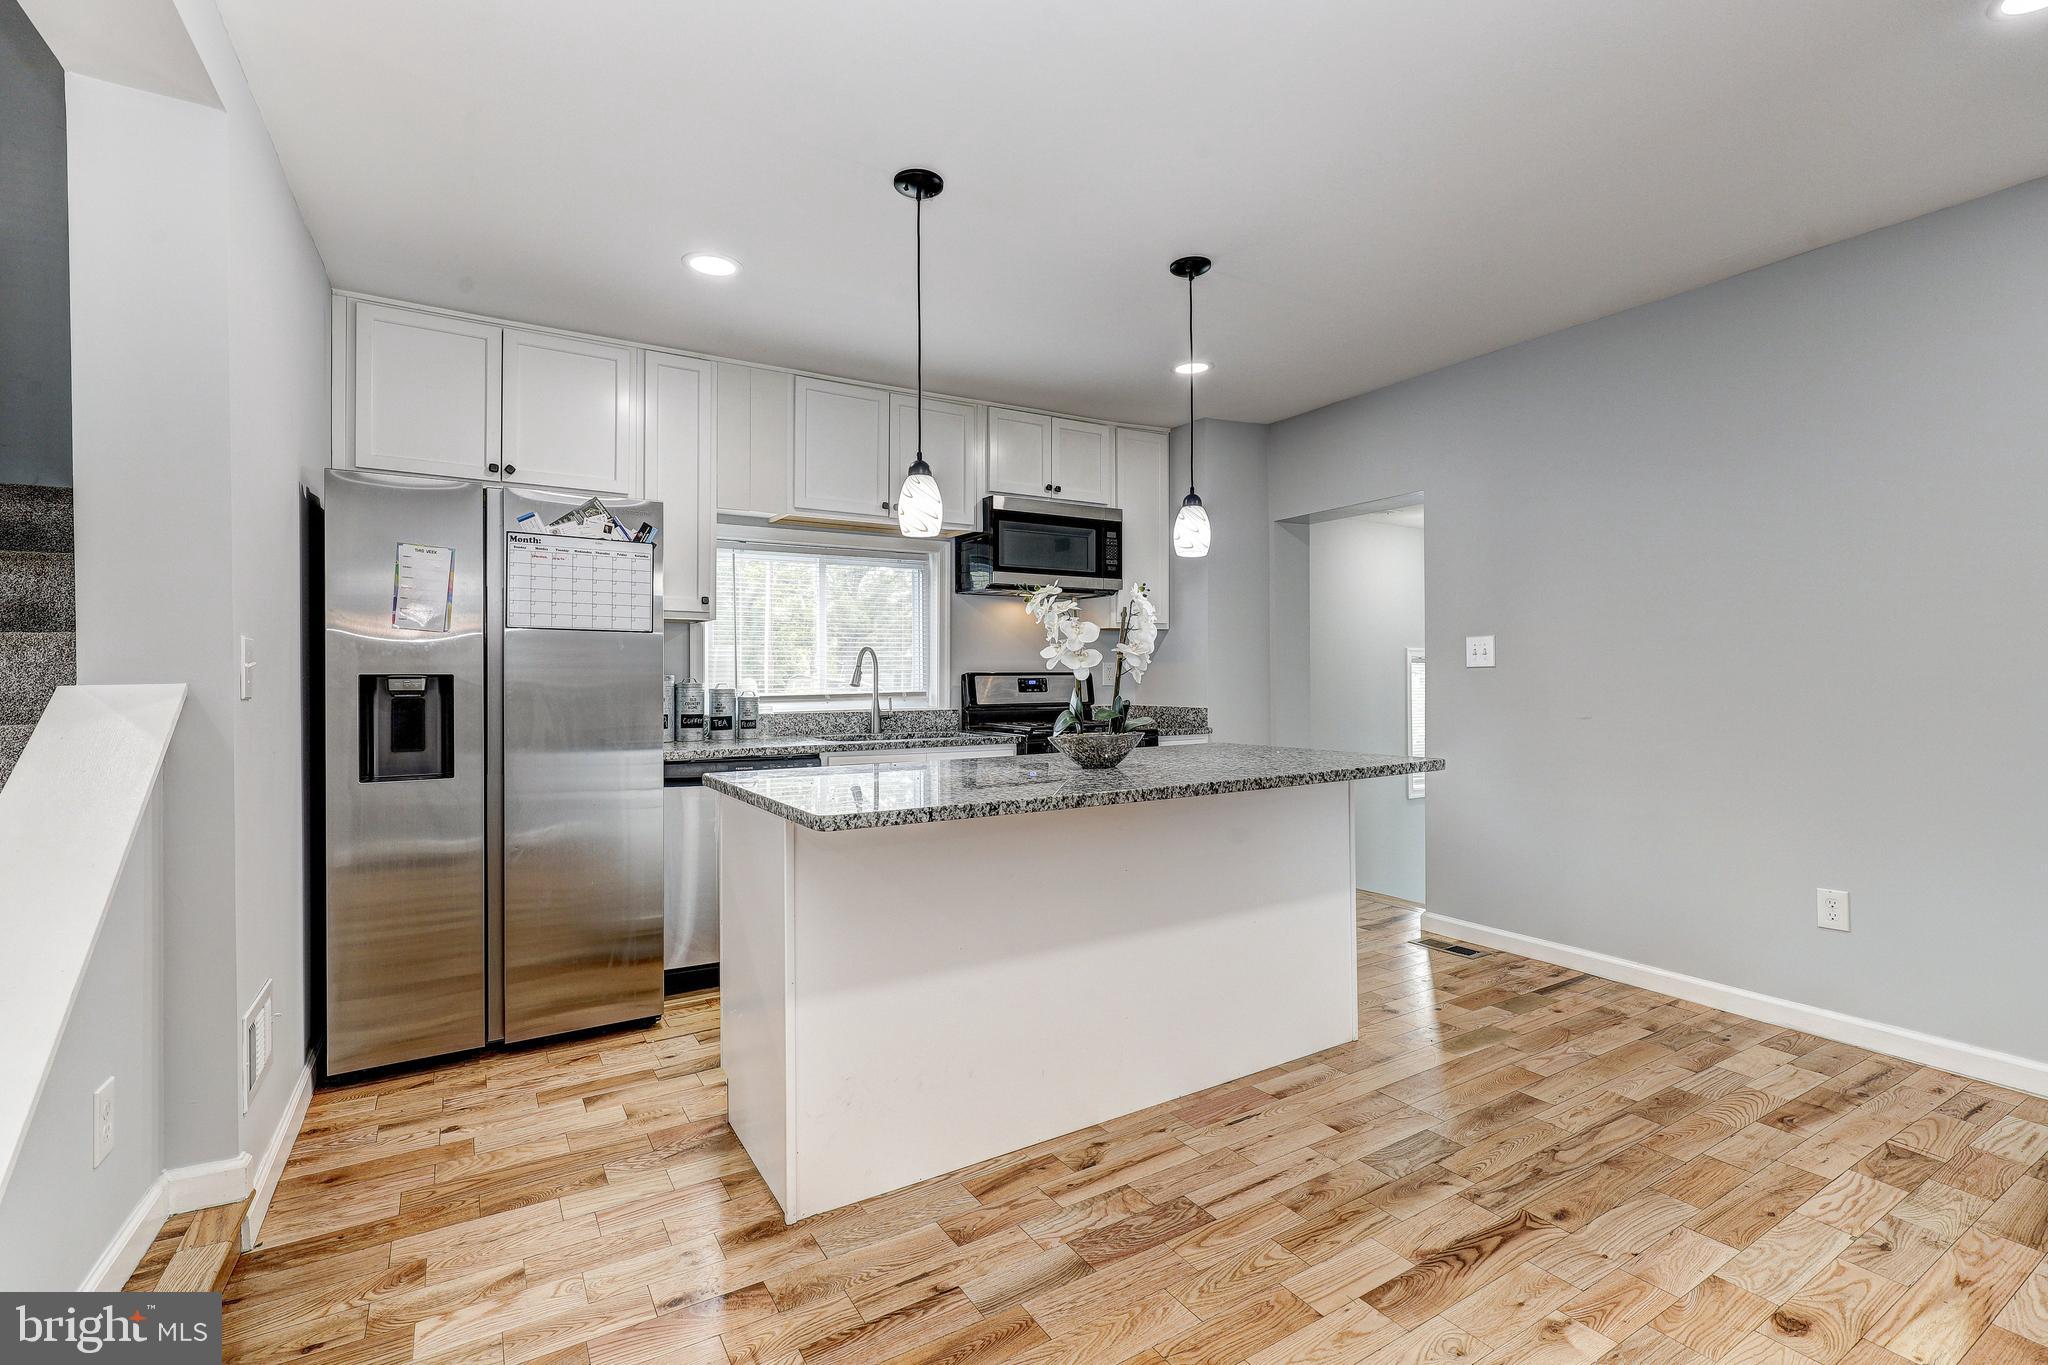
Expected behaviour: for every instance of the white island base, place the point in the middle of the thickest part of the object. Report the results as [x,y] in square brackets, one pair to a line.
[903,1001]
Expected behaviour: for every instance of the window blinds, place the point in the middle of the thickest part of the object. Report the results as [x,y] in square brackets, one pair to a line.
[791,621]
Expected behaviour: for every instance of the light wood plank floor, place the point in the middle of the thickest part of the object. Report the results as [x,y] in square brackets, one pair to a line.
[1515,1164]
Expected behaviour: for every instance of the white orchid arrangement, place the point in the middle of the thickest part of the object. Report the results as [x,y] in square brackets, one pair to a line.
[1070,645]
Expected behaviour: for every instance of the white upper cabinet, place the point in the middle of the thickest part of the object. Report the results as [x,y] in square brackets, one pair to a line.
[1019,452]
[426,393]
[1083,461]
[754,440]
[1147,502]
[677,405]
[949,448]
[568,413]
[1142,496]
[842,449]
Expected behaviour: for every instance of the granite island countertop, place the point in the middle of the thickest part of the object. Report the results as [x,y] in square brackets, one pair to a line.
[922,791]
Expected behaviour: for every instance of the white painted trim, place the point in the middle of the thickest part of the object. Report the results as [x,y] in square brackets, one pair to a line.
[1964,1059]
[271,1167]
[203,1186]
[125,1252]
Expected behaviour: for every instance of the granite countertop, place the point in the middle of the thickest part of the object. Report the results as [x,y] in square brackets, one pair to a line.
[920,791]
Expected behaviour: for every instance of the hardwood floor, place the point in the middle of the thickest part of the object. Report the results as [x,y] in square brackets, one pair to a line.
[192,1251]
[1515,1164]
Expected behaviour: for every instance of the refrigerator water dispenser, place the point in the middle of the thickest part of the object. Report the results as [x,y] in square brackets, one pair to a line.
[408,726]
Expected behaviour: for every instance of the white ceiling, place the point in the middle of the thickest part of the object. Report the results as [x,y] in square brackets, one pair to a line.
[1386,188]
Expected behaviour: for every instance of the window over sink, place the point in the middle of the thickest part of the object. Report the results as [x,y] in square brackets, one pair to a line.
[793,616]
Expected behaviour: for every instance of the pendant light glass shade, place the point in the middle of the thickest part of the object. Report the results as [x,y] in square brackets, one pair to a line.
[1191,529]
[920,507]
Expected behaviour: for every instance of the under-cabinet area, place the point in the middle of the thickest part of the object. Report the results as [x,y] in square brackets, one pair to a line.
[427,391]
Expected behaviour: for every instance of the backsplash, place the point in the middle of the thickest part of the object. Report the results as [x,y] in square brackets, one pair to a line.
[932,720]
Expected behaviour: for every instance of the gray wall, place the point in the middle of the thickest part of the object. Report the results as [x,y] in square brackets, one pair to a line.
[199,324]
[1365,610]
[1766,565]
[60,1212]
[149,329]
[1214,652]
[35,302]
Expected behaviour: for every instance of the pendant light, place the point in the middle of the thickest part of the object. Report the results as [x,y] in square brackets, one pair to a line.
[920,507]
[1191,527]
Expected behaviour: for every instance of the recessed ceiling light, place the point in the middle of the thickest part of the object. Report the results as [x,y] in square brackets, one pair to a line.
[704,263]
[1202,366]
[2010,8]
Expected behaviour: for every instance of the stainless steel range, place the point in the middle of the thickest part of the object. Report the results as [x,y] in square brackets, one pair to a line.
[1022,704]
[492,810]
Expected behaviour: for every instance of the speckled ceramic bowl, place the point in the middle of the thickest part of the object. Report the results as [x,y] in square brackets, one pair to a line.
[1098,748]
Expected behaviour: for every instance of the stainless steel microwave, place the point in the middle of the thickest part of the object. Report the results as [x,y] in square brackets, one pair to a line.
[1026,543]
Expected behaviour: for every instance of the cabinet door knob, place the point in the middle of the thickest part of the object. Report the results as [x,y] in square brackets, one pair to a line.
[885,507]
[511,469]
[492,467]
[1055,488]
[704,601]
[1048,488]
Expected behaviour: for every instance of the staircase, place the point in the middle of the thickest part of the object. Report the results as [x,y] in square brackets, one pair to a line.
[38,612]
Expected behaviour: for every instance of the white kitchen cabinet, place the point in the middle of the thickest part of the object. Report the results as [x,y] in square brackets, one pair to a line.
[842,448]
[677,406]
[426,397]
[1145,500]
[1019,453]
[754,440]
[950,447]
[1038,456]
[1083,461]
[568,413]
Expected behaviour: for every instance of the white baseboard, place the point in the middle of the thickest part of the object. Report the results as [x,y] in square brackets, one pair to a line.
[1964,1059]
[194,1187]
[271,1166]
[201,1187]
[125,1252]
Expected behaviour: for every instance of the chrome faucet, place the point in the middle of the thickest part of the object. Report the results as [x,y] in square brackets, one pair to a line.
[867,654]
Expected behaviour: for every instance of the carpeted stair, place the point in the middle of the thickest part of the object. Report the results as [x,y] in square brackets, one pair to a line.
[38,613]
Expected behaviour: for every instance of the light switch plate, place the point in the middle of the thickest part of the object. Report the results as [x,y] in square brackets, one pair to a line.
[1479,651]
[247,660]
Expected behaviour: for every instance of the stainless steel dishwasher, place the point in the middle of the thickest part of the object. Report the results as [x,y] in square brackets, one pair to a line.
[690,818]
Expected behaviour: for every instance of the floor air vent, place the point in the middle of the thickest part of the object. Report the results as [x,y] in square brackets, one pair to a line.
[1442,945]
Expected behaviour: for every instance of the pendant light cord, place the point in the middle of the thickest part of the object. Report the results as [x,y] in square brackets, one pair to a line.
[1191,383]
[920,327]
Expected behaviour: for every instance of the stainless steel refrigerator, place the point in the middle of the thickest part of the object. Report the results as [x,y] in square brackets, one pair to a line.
[491,739]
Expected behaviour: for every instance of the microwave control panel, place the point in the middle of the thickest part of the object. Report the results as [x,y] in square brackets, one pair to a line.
[1113,554]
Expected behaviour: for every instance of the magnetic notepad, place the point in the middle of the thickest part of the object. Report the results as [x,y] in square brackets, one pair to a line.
[422,587]
[577,583]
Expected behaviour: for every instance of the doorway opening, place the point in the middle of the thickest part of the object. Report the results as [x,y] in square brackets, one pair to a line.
[1368,689]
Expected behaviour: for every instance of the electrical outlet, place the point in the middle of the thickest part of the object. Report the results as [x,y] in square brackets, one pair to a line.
[1479,651]
[1831,909]
[103,1121]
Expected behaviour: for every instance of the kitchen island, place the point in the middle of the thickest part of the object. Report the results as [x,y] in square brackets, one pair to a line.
[933,962]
